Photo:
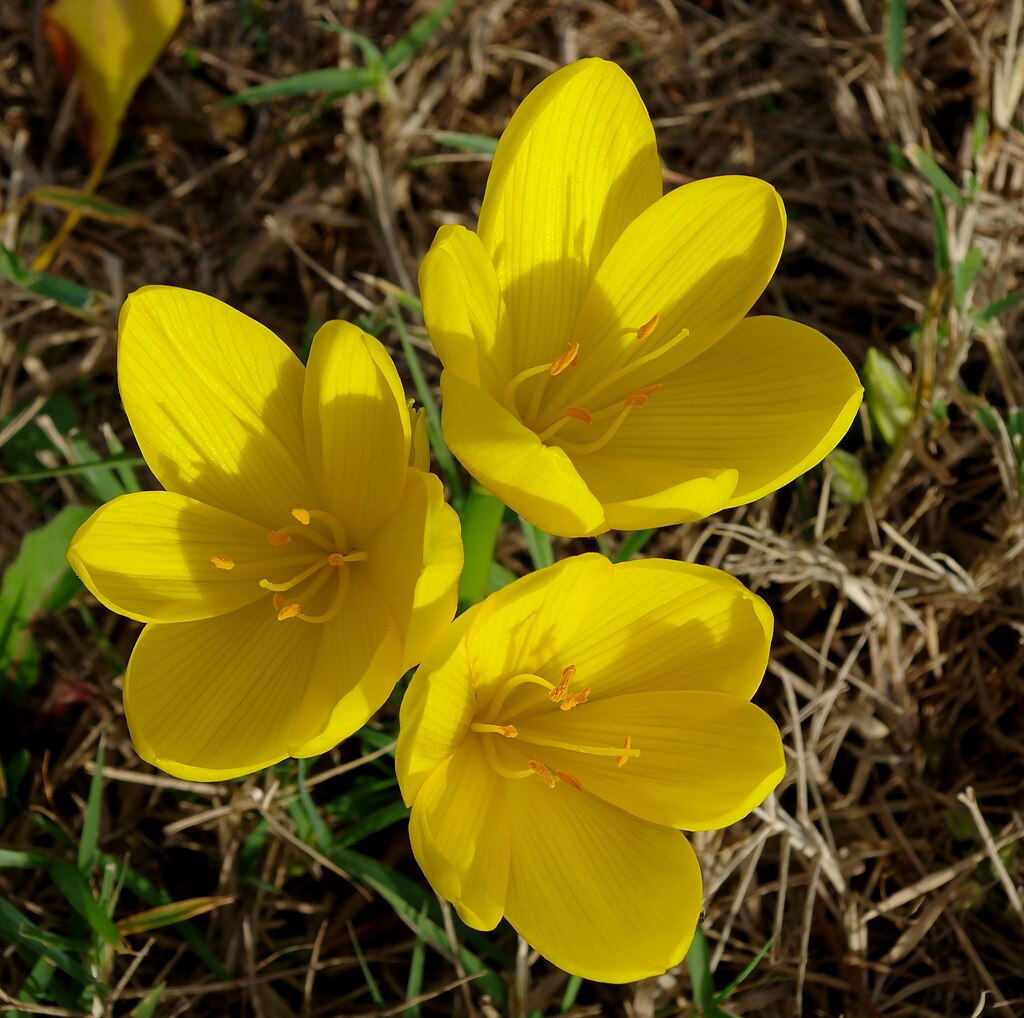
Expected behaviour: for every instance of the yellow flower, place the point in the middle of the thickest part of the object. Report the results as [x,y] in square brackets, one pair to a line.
[295,566]
[552,742]
[598,368]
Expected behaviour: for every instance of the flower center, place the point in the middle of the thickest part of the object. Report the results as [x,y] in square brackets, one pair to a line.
[509,714]
[309,581]
[594,413]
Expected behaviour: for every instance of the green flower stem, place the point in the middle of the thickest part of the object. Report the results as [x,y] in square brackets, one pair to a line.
[481,514]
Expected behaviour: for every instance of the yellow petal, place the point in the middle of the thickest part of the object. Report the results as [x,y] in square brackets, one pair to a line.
[466,317]
[639,491]
[358,662]
[357,428]
[526,626]
[536,481]
[437,708]
[698,259]
[575,165]
[706,759]
[663,625]
[598,892]
[414,563]
[770,400]
[150,555]
[461,833]
[113,46]
[215,401]
[215,699]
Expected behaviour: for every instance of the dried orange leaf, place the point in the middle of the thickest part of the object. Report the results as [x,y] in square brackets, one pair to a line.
[111,45]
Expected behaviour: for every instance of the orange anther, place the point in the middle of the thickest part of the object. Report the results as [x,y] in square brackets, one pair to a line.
[559,692]
[568,672]
[278,600]
[538,768]
[302,515]
[223,562]
[575,699]
[509,731]
[638,397]
[645,330]
[569,779]
[627,745]
[335,559]
[277,539]
[577,413]
[571,355]
[289,611]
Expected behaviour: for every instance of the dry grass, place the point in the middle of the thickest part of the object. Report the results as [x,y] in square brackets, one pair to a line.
[887,868]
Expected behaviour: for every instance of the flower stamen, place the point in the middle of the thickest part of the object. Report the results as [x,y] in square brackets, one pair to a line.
[580,448]
[559,692]
[297,579]
[535,738]
[561,695]
[603,384]
[556,367]
[522,733]
[575,699]
[569,779]
[524,679]
[509,731]
[620,761]
[647,328]
[289,611]
[317,555]
[223,562]
[570,357]
[538,768]
[506,772]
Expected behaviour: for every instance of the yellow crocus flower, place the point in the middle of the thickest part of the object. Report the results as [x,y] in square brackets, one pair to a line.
[295,566]
[598,369]
[555,739]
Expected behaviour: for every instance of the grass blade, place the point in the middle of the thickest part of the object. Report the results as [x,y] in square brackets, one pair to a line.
[146,1007]
[414,984]
[371,983]
[937,177]
[172,913]
[74,887]
[19,930]
[88,844]
[897,30]
[466,142]
[633,544]
[729,990]
[698,964]
[68,294]
[422,30]
[542,553]
[337,80]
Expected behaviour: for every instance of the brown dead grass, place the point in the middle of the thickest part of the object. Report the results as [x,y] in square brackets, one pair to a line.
[887,867]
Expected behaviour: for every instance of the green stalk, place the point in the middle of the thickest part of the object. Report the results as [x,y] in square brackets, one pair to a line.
[481,514]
